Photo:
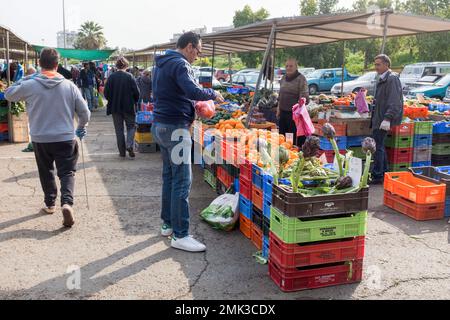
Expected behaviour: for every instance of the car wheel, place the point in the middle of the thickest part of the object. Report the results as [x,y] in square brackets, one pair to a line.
[356,90]
[313,89]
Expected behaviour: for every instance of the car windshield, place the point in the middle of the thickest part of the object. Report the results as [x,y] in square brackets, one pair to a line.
[315,74]
[251,78]
[411,71]
[368,76]
[445,81]
[429,79]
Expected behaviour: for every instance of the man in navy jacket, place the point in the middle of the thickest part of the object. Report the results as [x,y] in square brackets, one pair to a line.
[175,92]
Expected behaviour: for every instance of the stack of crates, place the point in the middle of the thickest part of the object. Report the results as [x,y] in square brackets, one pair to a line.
[4,136]
[415,197]
[316,242]
[441,144]
[325,145]
[143,137]
[399,147]
[423,138]
[257,206]
[245,198]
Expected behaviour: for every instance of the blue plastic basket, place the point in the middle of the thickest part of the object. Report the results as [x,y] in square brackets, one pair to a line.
[236,185]
[2,96]
[447,208]
[267,186]
[4,136]
[245,207]
[355,141]
[423,140]
[443,169]
[441,127]
[257,176]
[327,146]
[421,164]
[144,117]
[265,249]
[238,90]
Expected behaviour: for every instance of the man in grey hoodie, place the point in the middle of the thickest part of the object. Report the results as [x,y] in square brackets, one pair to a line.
[52,102]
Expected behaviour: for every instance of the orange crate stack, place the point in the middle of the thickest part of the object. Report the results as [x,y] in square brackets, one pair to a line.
[257,236]
[246,226]
[257,197]
[420,212]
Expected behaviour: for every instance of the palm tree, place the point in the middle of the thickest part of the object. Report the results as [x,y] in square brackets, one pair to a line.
[90,36]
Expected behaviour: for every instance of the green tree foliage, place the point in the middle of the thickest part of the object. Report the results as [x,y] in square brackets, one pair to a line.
[90,37]
[244,17]
[308,7]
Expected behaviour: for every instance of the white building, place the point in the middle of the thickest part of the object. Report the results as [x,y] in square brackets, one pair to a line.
[220,29]
[71,36]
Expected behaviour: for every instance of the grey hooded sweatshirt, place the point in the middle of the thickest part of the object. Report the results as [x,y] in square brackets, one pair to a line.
[52,103]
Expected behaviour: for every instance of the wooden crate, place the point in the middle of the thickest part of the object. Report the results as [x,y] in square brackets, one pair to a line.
[19,125]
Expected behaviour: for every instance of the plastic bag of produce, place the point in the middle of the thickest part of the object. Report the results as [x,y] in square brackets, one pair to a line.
[205,109]
[223,212]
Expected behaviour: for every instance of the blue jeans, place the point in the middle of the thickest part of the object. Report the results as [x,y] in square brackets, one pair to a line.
[89,96]
[380,166]
[175,143]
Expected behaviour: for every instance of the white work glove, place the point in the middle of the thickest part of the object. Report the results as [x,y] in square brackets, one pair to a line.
[385,125]
[219,97]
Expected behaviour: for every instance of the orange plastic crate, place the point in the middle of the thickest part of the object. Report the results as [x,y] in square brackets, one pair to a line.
[246,226]
[257,236]
[419,191]
[420,212]
[257,197]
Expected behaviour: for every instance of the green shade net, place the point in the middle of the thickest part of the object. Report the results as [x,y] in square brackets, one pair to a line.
[82,55]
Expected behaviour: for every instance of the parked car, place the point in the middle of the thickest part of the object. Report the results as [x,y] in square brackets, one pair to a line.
[427,80]
[367,81]
[447,96]
[435,90]
[306,71]
[224,75]
[414,72]
[249,80]
[244,71]
[324,79]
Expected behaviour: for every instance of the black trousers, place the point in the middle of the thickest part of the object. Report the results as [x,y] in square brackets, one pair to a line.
[130,121]
[65,156]
[287,125]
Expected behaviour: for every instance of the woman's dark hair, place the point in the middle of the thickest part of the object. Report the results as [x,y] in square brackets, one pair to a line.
[188,37]
[122,63]
[49,58]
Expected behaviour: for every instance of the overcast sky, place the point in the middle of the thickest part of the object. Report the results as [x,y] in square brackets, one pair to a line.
[136,24]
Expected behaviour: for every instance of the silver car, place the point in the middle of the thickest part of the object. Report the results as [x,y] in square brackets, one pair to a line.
[367,81]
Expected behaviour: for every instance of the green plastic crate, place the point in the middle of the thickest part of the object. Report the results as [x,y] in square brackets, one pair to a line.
[295,230]
[441,149]
[423,127]
[399,141]
[399,167]
[210,179]
[358,152]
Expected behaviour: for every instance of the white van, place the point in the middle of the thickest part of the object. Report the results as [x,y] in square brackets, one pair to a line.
[413,72]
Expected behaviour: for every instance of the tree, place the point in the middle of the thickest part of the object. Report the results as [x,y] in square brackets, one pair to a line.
[308,7]
[327,6]
[90,37]
[244,17]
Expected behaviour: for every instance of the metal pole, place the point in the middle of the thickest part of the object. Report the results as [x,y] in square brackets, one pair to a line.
[385,32]
[134,59]
[258,83]
[26,58]
[274,59]
[212,68]
[230,67]
[64,31]
[8,81]
[343,68]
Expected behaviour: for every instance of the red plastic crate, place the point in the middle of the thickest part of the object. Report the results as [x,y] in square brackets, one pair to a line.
[308,254]
[246,170]
[245,187]
[257,197]
[245,226]
[417,190]
[404,129]
[257,236]
[224,177]
[296,279]
[400,155]
[3,127]
[330,154]
[420,212]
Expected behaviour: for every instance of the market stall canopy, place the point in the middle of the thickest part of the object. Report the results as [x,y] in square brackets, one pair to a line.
[16,45]
[301,31]
[82,55]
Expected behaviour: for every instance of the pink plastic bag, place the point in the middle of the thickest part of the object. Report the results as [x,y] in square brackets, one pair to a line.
[360,102]
[302,119]
[205,109]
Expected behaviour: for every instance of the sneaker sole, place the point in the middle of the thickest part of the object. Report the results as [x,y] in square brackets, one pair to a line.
[68,218]
[167,235]
[186,250]
[43,211]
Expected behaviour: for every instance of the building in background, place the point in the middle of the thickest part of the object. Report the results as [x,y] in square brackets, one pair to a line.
[220,29]
[71,36]
[200,31]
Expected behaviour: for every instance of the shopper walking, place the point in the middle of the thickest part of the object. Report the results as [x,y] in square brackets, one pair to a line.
[52,102]
[122,94]
[174,91]
[387,113]
[144,83]
[87,83]
[293,86]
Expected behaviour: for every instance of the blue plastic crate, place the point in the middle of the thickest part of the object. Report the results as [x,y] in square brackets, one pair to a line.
[2,96]
[257,176]
[423,140]
[245,207]
[265,249]
[236,185]
[444,169]
[208,138]
[238,90]
[266,207]
[4,136]
[447,208]
[355,141]
[326,145]
[441,127]
[421,164]
[144,117]
[267,186]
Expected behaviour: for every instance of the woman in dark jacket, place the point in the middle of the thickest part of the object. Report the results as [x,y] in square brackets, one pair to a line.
[144,83]
[122,94]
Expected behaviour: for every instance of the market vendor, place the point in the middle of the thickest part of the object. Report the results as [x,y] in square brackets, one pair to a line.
[387,112]
[293,86]
[175,92]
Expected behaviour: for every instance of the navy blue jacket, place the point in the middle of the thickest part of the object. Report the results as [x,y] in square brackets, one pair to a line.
[175,90]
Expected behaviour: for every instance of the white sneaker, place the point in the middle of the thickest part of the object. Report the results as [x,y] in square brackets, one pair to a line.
[48,210]
[188,244]
[166,230]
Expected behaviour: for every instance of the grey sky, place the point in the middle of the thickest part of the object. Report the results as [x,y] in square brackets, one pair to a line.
[137,25]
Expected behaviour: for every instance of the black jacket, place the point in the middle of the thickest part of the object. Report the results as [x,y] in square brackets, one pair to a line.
[388,101]
[145,87]
[122,93]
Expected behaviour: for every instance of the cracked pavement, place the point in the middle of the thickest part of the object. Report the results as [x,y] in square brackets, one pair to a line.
[116,250]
